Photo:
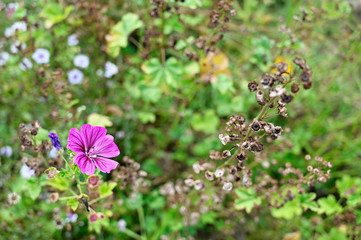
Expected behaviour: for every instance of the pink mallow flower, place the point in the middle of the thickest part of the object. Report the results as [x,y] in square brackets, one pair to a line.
[93,148]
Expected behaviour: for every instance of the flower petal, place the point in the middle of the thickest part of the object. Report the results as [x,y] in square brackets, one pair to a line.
[75,142]
[106,147]
[105,164]
[85,164]
[90,134]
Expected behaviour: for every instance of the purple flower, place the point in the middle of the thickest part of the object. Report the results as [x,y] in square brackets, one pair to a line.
[55,140]
[93,148]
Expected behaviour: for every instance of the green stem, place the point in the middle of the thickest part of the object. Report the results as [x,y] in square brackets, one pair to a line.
[95,200]
[66,198]
[132,234]
[142,221]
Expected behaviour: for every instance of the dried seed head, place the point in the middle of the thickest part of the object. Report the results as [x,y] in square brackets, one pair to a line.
[54,197]
[240,118]
[224,138]
[253,147]
[256,126]
[227,186]
[226,153]
[287,98]
[245,145]
[260,147]
[242,156]
[13,198]
[198,185]
[252,86]
[305,76]
[267,80]
[246,180]
[219,173]
[209,175]
[278,130]
[189,182]
[295,88]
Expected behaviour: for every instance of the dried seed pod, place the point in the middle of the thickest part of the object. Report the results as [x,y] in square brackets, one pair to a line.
[252,86]
[245,145]
[294,88]
[256,126]
[242,156]
[209,175]
[267,80]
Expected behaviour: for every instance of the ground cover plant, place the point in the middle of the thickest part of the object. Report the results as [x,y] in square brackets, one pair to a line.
[180,119]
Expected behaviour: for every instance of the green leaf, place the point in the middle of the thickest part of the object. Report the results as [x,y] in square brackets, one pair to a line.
[289,210]
[19,13]
[209,217]
[119,33]
[59,183]
[106,189]
[224,84]
[43,134]
[97,226]
[54,13]
[73,203]
[307,202]
[246,199]
[169,74]
[348,186]
[146,117]
[33,188]
[334,234]
[208,122]
[329,205]
[151,94]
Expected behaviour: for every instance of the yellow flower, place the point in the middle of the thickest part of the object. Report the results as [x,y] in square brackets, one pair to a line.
[213,65]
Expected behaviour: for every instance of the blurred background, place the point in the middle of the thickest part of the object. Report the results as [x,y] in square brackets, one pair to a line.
[164,77]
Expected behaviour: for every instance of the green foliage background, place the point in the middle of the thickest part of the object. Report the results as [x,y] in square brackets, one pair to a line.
[171,118]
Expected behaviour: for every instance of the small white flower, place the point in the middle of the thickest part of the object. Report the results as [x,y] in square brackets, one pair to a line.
[52,153]
[27,172]
[4,57]
[81,61]
[122,224]
[25,64]
[73,40]
[8,32]
[17,26]
[75,76]
[110,69]
[6,151]
[16,46]
[41,55]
